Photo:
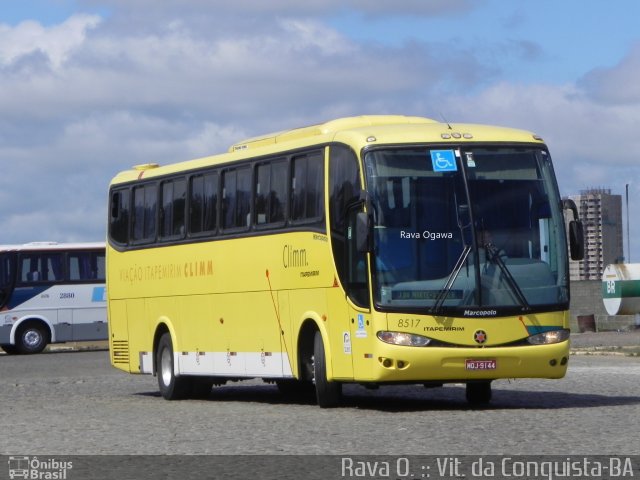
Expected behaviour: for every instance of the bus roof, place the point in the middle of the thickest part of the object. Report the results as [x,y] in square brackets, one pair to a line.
[39,246]
[354,131]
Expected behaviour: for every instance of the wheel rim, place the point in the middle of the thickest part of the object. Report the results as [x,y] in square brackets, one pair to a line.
[313,369]
[32,338]
[166,366]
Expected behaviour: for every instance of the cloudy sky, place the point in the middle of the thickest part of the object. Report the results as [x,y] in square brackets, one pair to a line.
[91,87]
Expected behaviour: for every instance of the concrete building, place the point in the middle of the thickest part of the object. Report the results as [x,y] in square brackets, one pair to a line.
[601,214]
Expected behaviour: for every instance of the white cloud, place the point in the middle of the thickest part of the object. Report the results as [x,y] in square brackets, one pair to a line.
[80,102]
[56,43]
[618,84]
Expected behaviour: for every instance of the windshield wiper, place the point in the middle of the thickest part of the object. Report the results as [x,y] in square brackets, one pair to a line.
[494,256]
[444,291]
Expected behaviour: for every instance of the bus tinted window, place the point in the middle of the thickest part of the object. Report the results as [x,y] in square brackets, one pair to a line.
[172,224]
[119,216]
[344,185]
[203,214]
[6,272]
[344,192]
[41,267]
[236,198]
[306,187]
[86,266]
[144,214]
[271,192]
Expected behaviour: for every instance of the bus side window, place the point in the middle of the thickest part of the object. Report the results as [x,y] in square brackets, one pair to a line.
[172,212]
[236,198]
[41,267]
[203,203]
[270,192]
[307,181]
[119,216]
[144,213]
[83,266]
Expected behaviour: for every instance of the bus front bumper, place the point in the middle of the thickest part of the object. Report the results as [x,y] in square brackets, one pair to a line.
[394,363]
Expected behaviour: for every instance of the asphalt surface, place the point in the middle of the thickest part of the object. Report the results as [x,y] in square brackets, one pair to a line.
[69,403]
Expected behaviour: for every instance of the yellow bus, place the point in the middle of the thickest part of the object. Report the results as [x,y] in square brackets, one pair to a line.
[370,250]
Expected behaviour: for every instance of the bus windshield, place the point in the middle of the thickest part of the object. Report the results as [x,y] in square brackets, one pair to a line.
[466,230]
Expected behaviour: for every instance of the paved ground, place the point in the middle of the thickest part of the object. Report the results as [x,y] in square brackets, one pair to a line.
[76,403]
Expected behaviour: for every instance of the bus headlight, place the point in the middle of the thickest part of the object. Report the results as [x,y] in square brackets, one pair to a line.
[546,338]
[402,338]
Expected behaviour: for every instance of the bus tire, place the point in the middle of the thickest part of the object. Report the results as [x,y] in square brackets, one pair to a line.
[32,337]
[478,393]
[172,387]
[328,394]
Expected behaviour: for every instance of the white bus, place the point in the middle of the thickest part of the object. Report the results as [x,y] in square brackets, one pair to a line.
[51,293]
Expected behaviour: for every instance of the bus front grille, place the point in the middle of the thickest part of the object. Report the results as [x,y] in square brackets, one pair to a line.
[120,351]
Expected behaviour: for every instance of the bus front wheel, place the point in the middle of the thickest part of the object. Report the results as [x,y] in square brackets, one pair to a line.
[32,337]
[328,393]
[172,387]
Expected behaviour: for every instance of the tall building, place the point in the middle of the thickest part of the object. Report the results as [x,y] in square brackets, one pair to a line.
[601,215]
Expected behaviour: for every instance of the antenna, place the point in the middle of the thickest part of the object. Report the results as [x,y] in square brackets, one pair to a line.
[444,120]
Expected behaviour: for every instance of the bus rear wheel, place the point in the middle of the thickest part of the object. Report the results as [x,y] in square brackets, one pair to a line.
[172,387]
[328,393]
[478,393]
[32,337]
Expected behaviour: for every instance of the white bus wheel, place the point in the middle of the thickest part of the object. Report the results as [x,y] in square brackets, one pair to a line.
[32,337]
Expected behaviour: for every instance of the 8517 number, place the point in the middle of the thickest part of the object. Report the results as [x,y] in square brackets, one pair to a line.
[408,322]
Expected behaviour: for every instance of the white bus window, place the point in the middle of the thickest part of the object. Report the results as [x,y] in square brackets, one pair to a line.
[41,268]
[86,266]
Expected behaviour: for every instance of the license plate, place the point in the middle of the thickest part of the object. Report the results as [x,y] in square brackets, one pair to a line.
[480,364]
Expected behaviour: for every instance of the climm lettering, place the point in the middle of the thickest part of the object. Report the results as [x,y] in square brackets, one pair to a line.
[294,257]
[202,268]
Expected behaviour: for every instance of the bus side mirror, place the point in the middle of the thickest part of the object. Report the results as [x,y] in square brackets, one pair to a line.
[576,240]
[362,232]
[576,231]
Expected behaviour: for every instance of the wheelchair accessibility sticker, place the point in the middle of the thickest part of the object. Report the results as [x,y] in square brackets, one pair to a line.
[361,332]
[443,161]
